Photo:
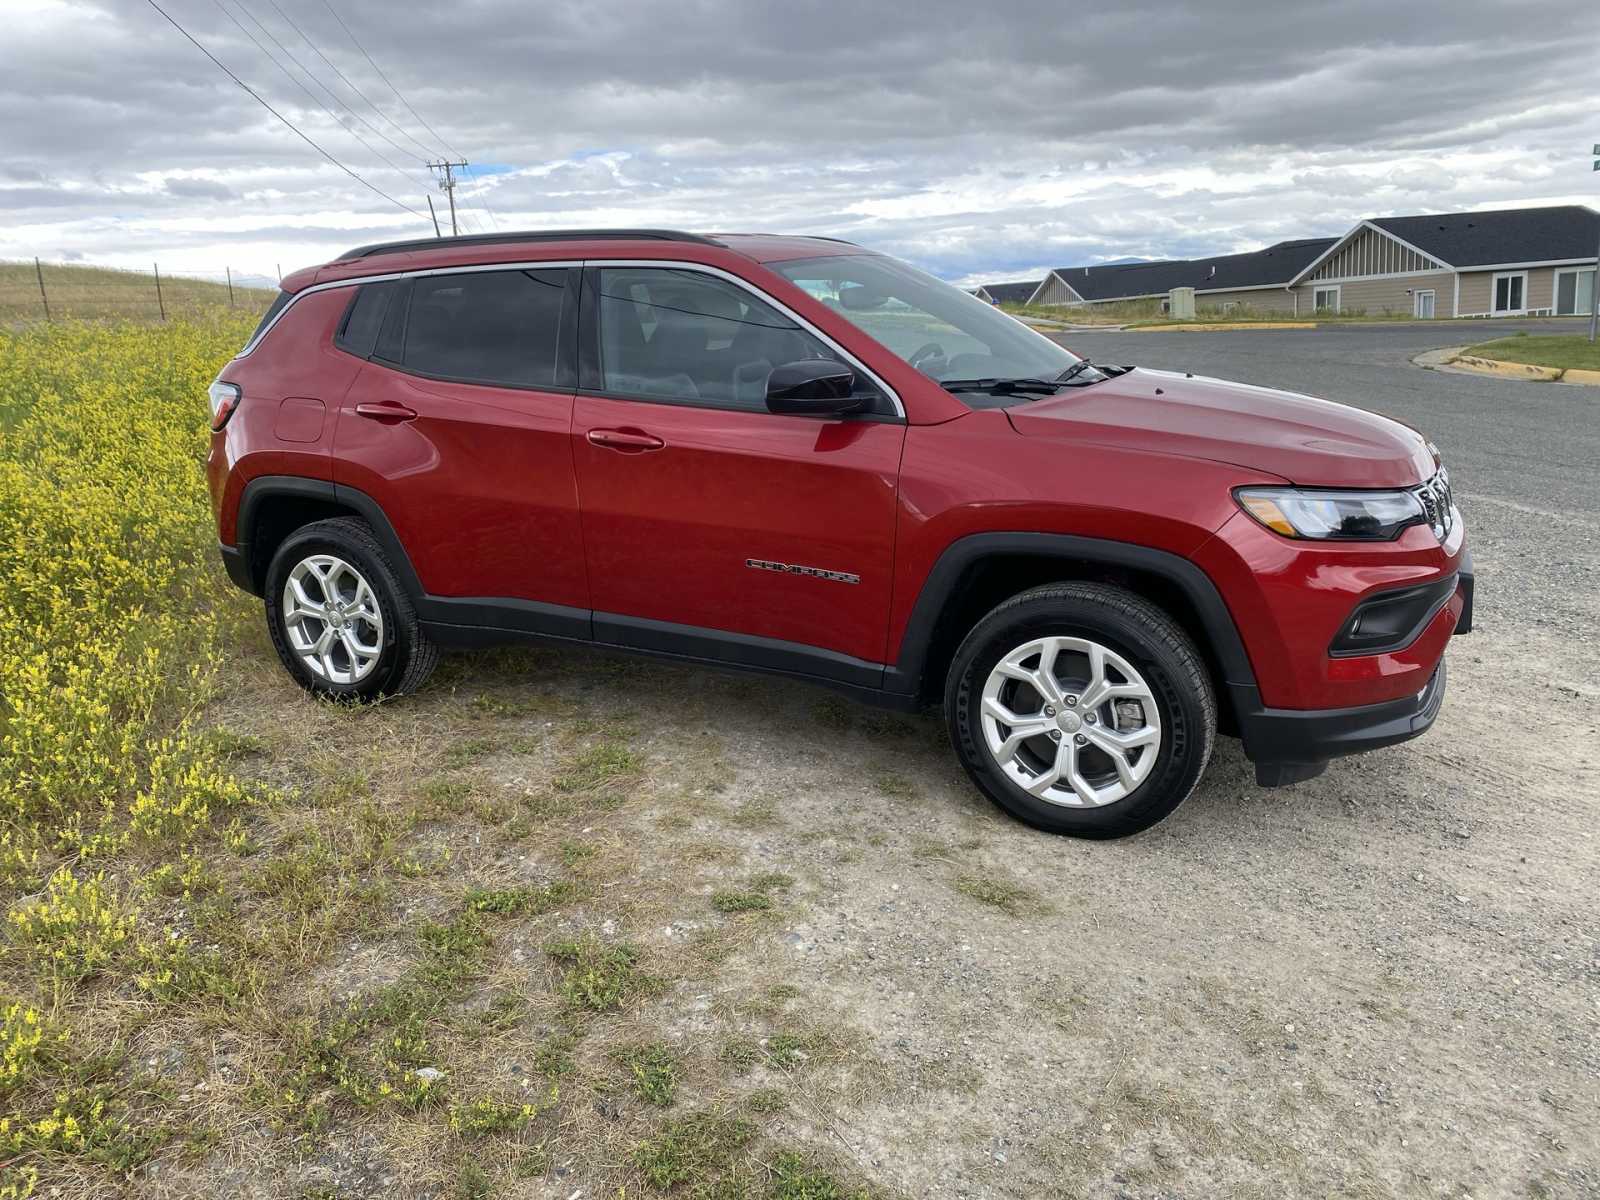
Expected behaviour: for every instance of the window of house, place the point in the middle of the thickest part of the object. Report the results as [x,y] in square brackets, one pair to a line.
[691,337]
[1510,292]
[495,327]
[1325,299]
[1575,292]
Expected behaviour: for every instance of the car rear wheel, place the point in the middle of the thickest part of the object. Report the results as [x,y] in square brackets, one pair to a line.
[1081,709]
[340,621]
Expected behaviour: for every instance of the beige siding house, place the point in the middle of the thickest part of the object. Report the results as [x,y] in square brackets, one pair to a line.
[1512,262]
[1507,263]
[1257,281]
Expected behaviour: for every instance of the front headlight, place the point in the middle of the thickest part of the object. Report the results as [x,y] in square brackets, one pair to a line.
[1328,515]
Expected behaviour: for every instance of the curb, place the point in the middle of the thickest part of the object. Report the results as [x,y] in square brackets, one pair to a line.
[1527,372]
[1221,326]
[1507,370]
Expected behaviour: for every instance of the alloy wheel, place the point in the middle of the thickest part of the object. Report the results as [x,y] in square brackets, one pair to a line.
[1071,722]
[332,619]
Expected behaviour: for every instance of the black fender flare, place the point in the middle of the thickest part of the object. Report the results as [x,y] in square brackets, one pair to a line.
[268,487]
[905,676]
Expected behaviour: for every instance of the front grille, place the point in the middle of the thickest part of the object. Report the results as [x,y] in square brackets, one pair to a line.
[1437,503]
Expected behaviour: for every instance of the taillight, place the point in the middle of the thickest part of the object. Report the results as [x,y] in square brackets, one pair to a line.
[224,398]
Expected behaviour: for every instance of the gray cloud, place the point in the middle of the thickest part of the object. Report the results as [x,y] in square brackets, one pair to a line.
[976,140]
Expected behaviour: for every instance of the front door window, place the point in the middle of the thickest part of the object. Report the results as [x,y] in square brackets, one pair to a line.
[1424,305]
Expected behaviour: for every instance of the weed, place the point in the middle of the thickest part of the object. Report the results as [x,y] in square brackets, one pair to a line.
[692,1149]
[731,901]
[1010,898]
[794,1179]
[598,977]
[655,1071]
[479,1117]
[600,764]
[522,901]
[76,928]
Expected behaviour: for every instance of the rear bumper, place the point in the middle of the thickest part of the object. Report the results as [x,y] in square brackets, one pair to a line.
[236,560]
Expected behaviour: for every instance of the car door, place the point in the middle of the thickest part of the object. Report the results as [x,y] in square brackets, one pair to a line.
[459,428]
[713,526]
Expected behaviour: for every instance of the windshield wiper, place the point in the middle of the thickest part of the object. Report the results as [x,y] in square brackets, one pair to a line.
[1025,384]
[1002,387]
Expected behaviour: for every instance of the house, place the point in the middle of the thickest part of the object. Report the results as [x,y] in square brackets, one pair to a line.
[1258,280]
[1508,263]
[1006,293]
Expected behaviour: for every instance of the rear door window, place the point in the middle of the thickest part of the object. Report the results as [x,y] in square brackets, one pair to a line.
[493,327]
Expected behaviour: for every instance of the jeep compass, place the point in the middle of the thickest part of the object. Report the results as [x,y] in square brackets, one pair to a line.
[792,455]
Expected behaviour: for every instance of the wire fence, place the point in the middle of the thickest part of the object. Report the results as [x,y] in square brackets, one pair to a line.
[44,291]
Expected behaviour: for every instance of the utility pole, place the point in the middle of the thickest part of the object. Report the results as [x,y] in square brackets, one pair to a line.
[1594,288]
[447,184]
[435,217]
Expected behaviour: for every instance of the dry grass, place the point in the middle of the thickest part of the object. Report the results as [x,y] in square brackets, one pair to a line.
[101,293]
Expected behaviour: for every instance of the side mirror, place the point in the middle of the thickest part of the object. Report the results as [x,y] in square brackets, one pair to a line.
[813,387]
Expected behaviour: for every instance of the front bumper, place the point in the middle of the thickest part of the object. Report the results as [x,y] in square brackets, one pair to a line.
[1289,745]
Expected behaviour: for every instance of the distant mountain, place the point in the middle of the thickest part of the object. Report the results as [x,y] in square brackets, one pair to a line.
[1124,262]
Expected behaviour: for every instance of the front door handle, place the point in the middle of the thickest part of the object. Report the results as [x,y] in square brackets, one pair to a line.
[628,441]
[387,411]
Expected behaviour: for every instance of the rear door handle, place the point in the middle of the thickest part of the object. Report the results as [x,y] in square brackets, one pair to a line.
[628,441]
[386,410]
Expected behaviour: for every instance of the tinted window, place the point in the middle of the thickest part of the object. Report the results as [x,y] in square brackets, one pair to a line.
[486,326]
[364,318]
[279,303]
[687,336]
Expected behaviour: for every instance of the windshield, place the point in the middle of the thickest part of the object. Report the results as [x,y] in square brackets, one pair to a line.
[947,334]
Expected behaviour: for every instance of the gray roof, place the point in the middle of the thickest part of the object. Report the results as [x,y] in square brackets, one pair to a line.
[1012,293]
[1511,235]
[1274,266]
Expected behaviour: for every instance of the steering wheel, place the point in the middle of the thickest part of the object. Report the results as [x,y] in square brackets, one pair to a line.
[924,353]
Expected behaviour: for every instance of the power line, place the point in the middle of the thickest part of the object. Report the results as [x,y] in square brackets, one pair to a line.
[421,120]
[292,79]
[348,33]
[335,66]
[311,75]
[256,96]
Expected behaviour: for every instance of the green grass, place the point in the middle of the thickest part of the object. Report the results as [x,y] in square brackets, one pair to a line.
[100,293]
[1551,350]
[1148,313]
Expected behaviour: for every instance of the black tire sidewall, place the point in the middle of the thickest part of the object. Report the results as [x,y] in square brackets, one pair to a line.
[1185,741]
[396,651]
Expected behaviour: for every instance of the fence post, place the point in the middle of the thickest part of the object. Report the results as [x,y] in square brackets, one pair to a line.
[160,303]
[229,270]
[39,271]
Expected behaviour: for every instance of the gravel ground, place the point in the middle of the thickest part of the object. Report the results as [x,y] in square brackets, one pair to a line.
[1382,982]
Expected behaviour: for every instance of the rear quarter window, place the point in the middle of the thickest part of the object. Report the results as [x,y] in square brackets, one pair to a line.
[279,303]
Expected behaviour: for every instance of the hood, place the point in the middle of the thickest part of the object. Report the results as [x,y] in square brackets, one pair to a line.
[1299,438]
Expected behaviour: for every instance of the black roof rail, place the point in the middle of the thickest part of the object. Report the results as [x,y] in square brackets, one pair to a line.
[532,235]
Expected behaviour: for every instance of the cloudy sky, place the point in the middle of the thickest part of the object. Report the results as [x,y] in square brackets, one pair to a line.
[982,141]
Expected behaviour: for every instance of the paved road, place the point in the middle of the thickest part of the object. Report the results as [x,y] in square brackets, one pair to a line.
[1524,457]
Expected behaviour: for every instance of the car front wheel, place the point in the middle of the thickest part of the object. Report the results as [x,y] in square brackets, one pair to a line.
[1082,709]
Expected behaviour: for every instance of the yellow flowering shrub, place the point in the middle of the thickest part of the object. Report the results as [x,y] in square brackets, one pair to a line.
[109,594]
[76,928]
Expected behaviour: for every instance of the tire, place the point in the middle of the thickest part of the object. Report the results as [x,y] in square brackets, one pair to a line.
[1147,659]
[385,654]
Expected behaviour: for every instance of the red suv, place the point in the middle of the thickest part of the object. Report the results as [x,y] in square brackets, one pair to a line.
[793,455]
